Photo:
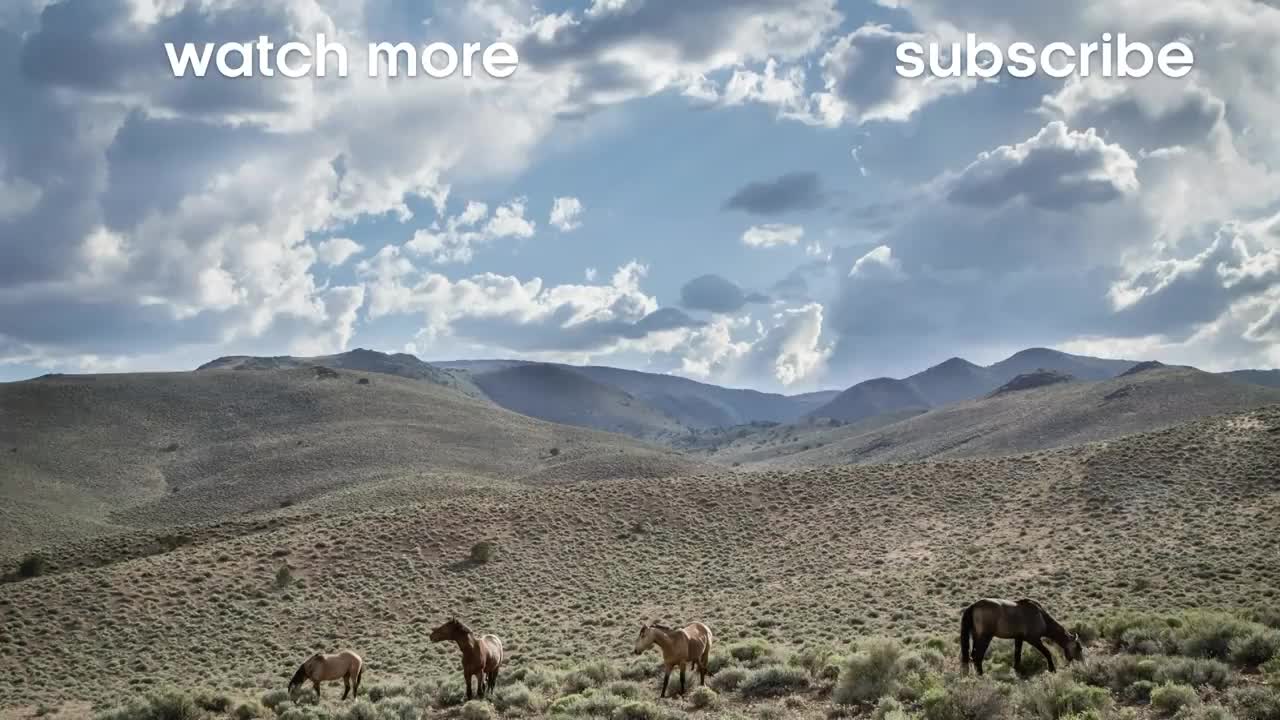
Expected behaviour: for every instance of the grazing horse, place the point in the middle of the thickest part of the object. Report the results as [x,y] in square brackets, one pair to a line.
[481,655]
[318,668]
[689,645]
[1021,621]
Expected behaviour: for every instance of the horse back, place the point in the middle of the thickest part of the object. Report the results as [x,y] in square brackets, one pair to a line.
[1003,618]
[699,639]
[492,647]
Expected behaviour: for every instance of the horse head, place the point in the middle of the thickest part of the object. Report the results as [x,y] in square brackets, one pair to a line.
[1073,649]
[452,629]
[648,636]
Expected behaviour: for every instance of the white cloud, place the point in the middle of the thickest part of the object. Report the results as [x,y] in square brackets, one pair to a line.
[337,251]
[565,212]
[772,235]
[455,241]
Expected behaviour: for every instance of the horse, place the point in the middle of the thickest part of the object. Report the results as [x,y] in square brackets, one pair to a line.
[481,656]
[321,668]
[689,645]
[1022,621]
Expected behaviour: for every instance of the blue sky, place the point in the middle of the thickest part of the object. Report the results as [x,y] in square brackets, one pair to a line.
[749,194]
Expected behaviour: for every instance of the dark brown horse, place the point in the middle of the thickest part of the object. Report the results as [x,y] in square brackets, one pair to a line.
[1021,621]
[345,665]
[481,655]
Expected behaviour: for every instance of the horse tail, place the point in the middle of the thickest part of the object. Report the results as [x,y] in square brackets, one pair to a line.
[966,631]
[355,685]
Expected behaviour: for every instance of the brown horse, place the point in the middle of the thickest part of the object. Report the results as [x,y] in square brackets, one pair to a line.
[481,656]
[689,645]
[1021,621]
[318,668]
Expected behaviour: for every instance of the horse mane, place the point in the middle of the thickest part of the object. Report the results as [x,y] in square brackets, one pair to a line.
[1058,633]
[664,628]
[301,675]
[462,627]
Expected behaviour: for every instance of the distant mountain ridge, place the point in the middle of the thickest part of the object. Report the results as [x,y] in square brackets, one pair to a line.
[957,380]
[360,360]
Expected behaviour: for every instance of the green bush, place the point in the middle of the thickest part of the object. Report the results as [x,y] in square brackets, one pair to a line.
[163,705]
[477,710]
[752,652]
[774,681]
[870,673]
[248,711]
[813,658]
[361,709]
[483,551]
[889,709]
[1256,648]
[1055,695]
[1204,712]
[1210,635]
[704,698]
[517,696]
[1255,702]
[450,693]
[32,566]
[966,699]
[639,711]
[729,679]
[1169,698]
[1196,672]
[272,698]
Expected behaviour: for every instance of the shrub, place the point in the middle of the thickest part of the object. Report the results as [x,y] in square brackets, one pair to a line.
[361,709]
[1255,648]
[477,710]
[871,672]
[284,577]
[273,698]
[482,552]
[1253,702]
[774,681]
[729,679]
[1055,695]
[889,709]
[32,566]
[813,658]
[1204,712]
[214,702]
[751,652]
[1117,672]
[1210,635]
[517,696]
[639,711]
[967,699]
[1169,698]
[1196,672]
[164,705]
[248,711]
[450,693]
[704,698]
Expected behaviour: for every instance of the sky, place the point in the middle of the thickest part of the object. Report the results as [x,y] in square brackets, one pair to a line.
[738,191]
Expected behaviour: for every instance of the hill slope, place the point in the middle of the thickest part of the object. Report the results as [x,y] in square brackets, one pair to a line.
[819,556]
[690,403]
[559,394]
[399,364]
[86,455]
[1056,415]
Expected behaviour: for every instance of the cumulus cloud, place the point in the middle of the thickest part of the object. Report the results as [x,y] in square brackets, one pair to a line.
[1056,169]
[786,193]
[565,212]
[454,240]
[716,294]
[772,235]
[337,251]
[793,350]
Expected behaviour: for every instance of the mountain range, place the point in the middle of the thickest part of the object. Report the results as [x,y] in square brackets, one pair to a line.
[659,406]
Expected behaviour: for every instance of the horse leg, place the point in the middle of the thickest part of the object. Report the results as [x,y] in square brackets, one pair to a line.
[1017,656]
[682,678]
[980,651]
[480,684]
[1048,656]
[493,679]
[467,676]
[316,683]
[665,678]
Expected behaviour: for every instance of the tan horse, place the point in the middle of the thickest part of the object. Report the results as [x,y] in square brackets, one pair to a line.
[345,665]
[689,645]
[1022,621]
[481,656]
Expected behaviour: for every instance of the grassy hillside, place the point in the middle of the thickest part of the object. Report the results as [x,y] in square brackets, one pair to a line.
[1056,415]
[88,455]
[1181,518]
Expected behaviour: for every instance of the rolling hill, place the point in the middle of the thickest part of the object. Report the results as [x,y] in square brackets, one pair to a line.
[774,562]
[90,455]
[360,359]
[689,403]
[1041,416]
[563,395]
